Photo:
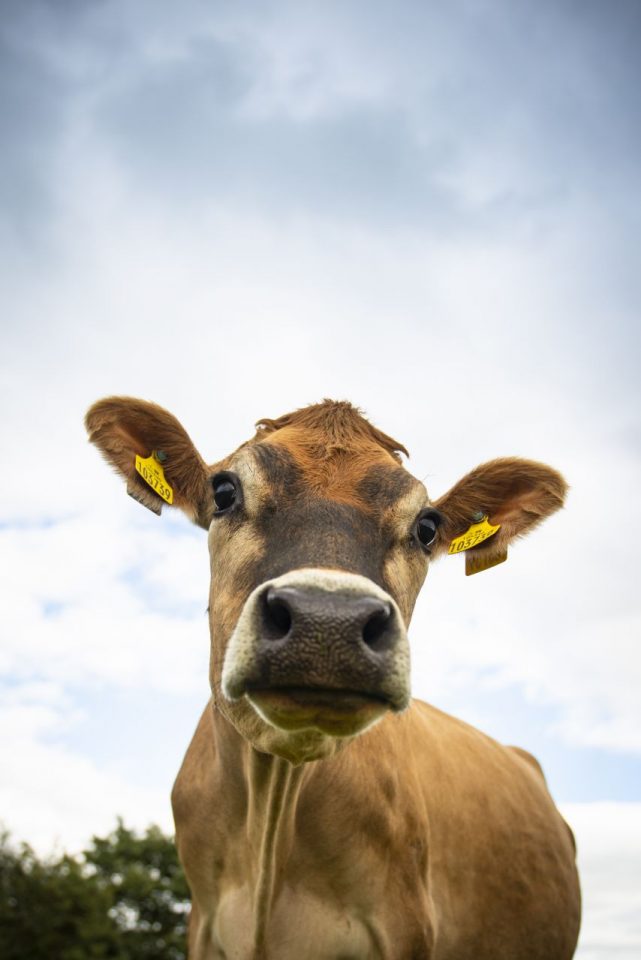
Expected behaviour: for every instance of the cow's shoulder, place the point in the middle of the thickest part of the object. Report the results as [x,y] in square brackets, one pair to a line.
[467,776]
[451,741]
[530,760]
[494,834]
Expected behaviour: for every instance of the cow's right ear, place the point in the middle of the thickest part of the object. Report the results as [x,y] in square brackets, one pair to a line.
[141,440]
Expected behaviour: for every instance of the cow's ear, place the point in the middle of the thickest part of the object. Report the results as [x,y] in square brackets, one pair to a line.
[141,440]
[514,494]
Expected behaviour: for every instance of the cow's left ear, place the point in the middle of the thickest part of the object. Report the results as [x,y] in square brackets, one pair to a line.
[152,451]
[514,494]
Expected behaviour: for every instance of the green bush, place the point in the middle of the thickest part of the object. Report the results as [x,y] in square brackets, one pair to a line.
[123,898]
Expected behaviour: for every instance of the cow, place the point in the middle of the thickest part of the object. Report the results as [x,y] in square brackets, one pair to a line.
[321,813]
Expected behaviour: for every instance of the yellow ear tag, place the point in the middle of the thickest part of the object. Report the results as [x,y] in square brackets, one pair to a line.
[474,535]
[150,469]
[477,562]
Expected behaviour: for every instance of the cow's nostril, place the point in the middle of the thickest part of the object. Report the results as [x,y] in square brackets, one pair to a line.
[277,618]
[375,632]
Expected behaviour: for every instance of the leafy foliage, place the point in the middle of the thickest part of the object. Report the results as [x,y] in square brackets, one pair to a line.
[123,898]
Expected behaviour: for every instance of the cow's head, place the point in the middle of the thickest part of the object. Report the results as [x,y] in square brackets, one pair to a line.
[320,541]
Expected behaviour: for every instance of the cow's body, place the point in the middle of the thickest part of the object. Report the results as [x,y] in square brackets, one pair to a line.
[320,814]
[423,839]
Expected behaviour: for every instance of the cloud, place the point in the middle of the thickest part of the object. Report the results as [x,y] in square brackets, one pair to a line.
[51,795]
[87,604]
[609,852]
[384,118]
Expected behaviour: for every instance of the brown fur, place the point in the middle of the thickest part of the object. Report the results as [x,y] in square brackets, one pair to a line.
[420,839]
[333,446]
[336,424]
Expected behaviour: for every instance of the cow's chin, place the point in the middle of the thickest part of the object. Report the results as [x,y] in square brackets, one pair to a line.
[338,713]
[308,724]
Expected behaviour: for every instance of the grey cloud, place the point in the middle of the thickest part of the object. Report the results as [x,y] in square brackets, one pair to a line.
[475,122]
[32,106]
[334,166]
[533,93]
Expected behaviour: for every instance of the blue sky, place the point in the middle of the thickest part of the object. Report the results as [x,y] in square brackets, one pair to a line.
[432,210]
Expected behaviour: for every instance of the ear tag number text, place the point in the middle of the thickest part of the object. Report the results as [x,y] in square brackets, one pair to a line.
[153,474]
[474,535]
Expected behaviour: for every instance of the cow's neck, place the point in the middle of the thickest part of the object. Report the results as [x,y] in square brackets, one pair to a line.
[270,786]
[273,787]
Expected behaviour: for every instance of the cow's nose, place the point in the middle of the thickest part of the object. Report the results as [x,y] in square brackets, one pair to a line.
[301,614]
[322,630]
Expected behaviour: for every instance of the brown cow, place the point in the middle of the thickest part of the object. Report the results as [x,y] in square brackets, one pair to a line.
[320,813]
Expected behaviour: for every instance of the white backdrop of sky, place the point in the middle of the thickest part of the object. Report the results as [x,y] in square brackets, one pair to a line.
[432,210]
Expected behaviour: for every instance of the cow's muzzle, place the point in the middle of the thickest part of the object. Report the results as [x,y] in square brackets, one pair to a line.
[324,648]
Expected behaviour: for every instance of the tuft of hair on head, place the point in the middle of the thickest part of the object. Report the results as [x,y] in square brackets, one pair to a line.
[338,421]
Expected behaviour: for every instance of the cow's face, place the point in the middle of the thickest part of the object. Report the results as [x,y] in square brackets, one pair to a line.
[319,543]
[316,561]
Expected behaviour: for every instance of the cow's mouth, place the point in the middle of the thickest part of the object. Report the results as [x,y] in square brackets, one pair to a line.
[340,713]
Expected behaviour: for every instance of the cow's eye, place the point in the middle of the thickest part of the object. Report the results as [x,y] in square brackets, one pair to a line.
[225,492]
[426,527]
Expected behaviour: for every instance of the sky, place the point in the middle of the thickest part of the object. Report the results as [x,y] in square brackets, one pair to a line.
[234,210]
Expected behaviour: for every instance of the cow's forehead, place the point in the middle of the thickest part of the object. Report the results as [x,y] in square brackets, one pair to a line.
[288,464]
